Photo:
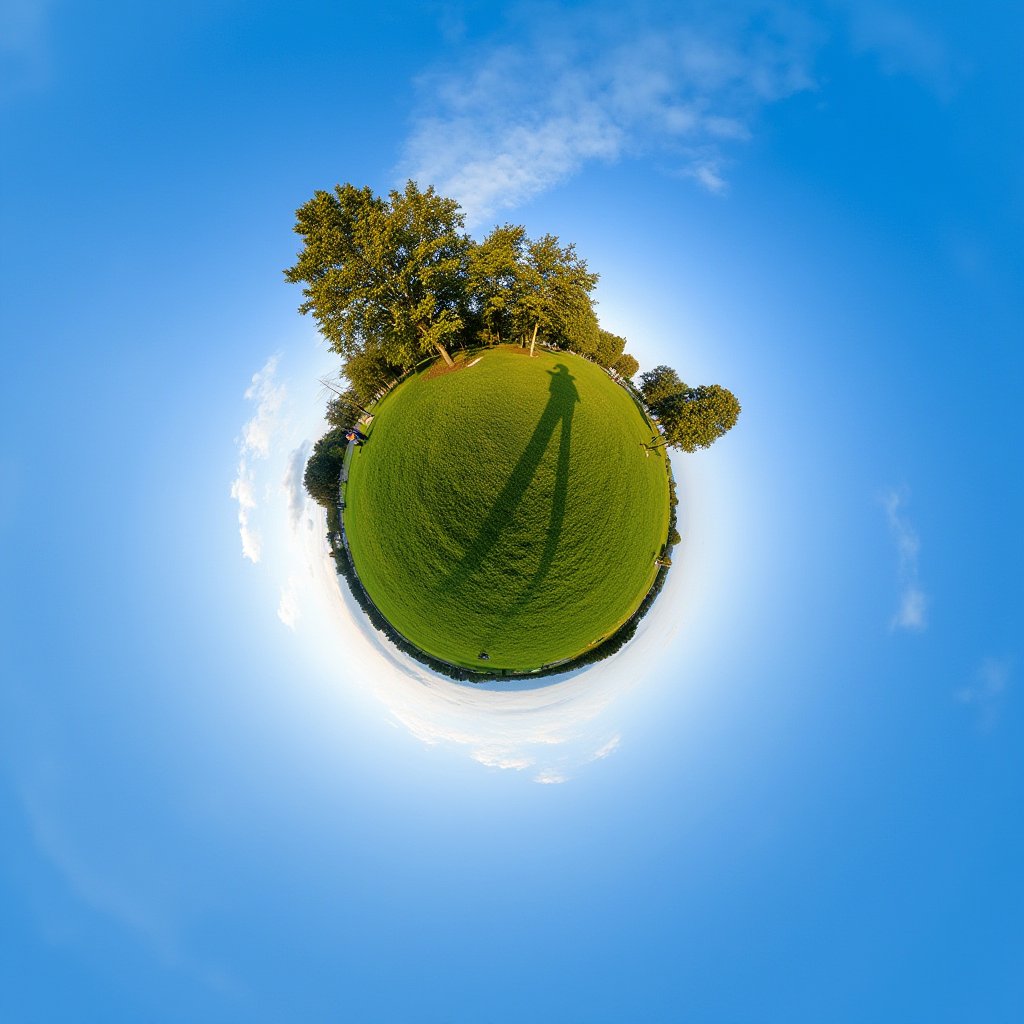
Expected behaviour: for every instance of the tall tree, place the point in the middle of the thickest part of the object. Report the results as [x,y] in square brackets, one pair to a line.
[626,366]
[658,386]
[556,299]
[697,417]
[323,470]
[609,347]
[386,272]
[344,408]
[495,271]
[369,372]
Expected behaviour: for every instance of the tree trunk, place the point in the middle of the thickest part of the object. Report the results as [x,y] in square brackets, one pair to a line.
[444,353]
[533,340]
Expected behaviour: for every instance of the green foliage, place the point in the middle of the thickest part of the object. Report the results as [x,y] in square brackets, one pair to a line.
[699,416]
[530,288]
[609,348]
[333,520]
[689,418]
[660,387]
[509,508]
[494,278]
[344,410]
[555,300]
[370,372]
[324,467]
[391,280]
[388,274]
[626,366]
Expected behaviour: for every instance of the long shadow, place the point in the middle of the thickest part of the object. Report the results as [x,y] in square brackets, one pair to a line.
[562,400]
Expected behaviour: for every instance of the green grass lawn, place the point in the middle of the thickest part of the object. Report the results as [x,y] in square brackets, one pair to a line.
[507,507]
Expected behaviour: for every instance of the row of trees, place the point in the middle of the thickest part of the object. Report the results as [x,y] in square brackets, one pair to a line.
[391,281]
[323,468]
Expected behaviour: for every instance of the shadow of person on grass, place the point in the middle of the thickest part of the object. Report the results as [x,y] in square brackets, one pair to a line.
[562,400]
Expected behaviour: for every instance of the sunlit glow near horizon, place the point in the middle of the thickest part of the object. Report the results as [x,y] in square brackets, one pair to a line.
[547,728]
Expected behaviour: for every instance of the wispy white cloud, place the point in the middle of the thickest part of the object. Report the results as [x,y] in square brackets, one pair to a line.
[904,44]
[268,396]
[912,611]
[288,607]
[505,759]
[602,83]
[548,731]
[987,689]
[707,172]
[603,751]
[255,443]
[292,483]
[501,123]
[242,490]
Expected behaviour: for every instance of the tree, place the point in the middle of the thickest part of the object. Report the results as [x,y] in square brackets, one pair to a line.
[555,299]
[609,347]
[369,372]
[344,408]
[697,417]
[390,273]
[658,386]
[495,270]
[323,469]
[626,366]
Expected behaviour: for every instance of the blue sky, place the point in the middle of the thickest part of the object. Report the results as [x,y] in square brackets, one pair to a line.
[796,797]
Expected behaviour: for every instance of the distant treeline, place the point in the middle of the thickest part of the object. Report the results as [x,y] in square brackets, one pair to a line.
[390,281]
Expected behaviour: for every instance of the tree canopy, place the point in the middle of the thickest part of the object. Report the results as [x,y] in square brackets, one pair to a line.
[697,417]
[495,272]
[609,348]
[626,365]
[324,467]
[658,386]
[392,280]
[369,372]
[344,408]
[389,274]
[689,418]
[556,296]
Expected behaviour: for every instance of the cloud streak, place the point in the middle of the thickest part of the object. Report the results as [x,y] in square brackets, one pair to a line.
[288,607]
[255,444]
[603,84]
[912,611]
[292,483]
[904,45]
[987,689]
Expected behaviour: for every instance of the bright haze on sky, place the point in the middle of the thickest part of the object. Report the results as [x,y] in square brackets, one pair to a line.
[794,797]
